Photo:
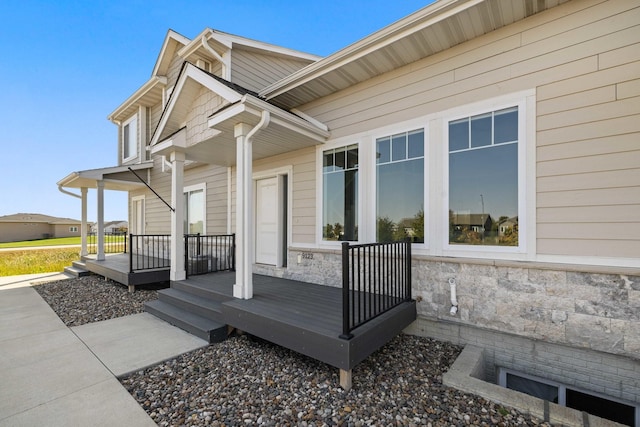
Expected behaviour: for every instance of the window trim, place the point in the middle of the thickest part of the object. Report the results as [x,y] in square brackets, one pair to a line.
[134,147]
[196,187]
[73,229]
[371,177]
[525,175]
[343,143]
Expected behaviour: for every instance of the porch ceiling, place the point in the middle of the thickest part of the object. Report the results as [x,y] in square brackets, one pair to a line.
[435,28]
[115,178]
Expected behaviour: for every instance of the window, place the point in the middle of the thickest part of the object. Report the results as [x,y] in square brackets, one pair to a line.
[73,229]
[551,391]
[483,179]
[400,187]
[130,138]
[194,210]
[340,193]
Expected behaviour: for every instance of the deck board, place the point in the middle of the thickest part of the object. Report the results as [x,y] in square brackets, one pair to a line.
[116,267]
[304,317]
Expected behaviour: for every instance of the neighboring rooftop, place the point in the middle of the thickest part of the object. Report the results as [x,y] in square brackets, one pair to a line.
[36,217]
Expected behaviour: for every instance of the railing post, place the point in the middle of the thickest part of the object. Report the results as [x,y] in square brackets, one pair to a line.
[130,254]
[408,268]
[186,255]
[346,329]
[125,242]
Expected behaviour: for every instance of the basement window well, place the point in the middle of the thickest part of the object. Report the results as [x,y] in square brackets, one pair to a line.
[598,405]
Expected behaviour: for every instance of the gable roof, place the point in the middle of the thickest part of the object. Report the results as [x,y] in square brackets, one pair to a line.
[36,217]
[430,30]
[188,84]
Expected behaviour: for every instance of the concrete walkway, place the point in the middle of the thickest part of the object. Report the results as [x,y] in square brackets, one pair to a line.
[58,376]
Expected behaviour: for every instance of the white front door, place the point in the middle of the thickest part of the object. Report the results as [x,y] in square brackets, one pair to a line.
[267,214]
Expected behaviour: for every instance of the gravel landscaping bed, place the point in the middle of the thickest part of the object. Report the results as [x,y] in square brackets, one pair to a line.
[92,299]
[247,381]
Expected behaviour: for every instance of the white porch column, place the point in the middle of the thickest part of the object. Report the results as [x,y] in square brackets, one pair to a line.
[100,237]
[177,217]
[243,287]
[83,223]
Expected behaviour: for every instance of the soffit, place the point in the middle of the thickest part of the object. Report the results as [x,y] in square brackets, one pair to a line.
[115,178]
[433,29]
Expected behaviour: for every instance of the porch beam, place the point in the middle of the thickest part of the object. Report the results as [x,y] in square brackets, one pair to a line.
[83,222]
[177,216]
[100,233]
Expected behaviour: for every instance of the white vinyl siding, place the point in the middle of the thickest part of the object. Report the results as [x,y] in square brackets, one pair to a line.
[582,59]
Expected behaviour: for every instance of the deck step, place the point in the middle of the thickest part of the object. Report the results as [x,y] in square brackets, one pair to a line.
[201,290]
[202,306]
[204,328]
[76,272]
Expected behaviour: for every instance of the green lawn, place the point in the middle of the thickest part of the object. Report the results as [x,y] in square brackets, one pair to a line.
[62,241]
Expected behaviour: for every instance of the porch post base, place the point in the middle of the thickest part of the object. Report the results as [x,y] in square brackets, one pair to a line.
[238,291]
[345,379]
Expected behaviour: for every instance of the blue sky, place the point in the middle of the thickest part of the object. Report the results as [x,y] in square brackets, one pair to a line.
[67,64]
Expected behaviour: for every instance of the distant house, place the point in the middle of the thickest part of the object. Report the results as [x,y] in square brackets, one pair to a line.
[507,225]
[112,227]
[32,226]
[480,223]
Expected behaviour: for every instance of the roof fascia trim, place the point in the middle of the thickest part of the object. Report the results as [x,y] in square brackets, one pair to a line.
[137,95]
[171,35]
[251,104]
[423,18]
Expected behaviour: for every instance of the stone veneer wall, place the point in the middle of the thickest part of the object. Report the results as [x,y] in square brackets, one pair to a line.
[574,324]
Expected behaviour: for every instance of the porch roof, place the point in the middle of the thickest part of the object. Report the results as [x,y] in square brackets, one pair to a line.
[114,177]
[286,131]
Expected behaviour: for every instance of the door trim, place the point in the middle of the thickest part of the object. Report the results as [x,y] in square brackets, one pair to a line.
[284,218]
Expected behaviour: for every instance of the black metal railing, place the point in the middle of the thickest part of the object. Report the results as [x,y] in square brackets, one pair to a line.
[209,253]
[149,251]
[115,242]
[376,277]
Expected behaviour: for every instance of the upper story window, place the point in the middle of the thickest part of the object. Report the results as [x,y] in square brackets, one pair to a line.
[130,139]
[483,179]
[340,193]
[400,187]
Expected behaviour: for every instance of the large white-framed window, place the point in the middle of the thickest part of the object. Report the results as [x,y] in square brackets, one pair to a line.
[485,177]
[130,139]
[195,209]
[400,183]
[340,193]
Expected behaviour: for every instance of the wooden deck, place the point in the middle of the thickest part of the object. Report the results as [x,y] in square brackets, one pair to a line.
[304,317]
[116,267]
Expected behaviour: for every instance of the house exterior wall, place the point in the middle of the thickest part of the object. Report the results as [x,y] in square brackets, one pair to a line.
[19,231]
[582,60]
[64,230]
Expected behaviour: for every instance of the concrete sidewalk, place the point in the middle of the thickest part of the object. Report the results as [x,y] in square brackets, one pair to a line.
[58,376]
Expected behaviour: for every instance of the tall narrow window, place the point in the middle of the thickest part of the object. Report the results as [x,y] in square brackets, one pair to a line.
[194,212]
[400,187]
[340,194]
[129,138]
[483,179]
